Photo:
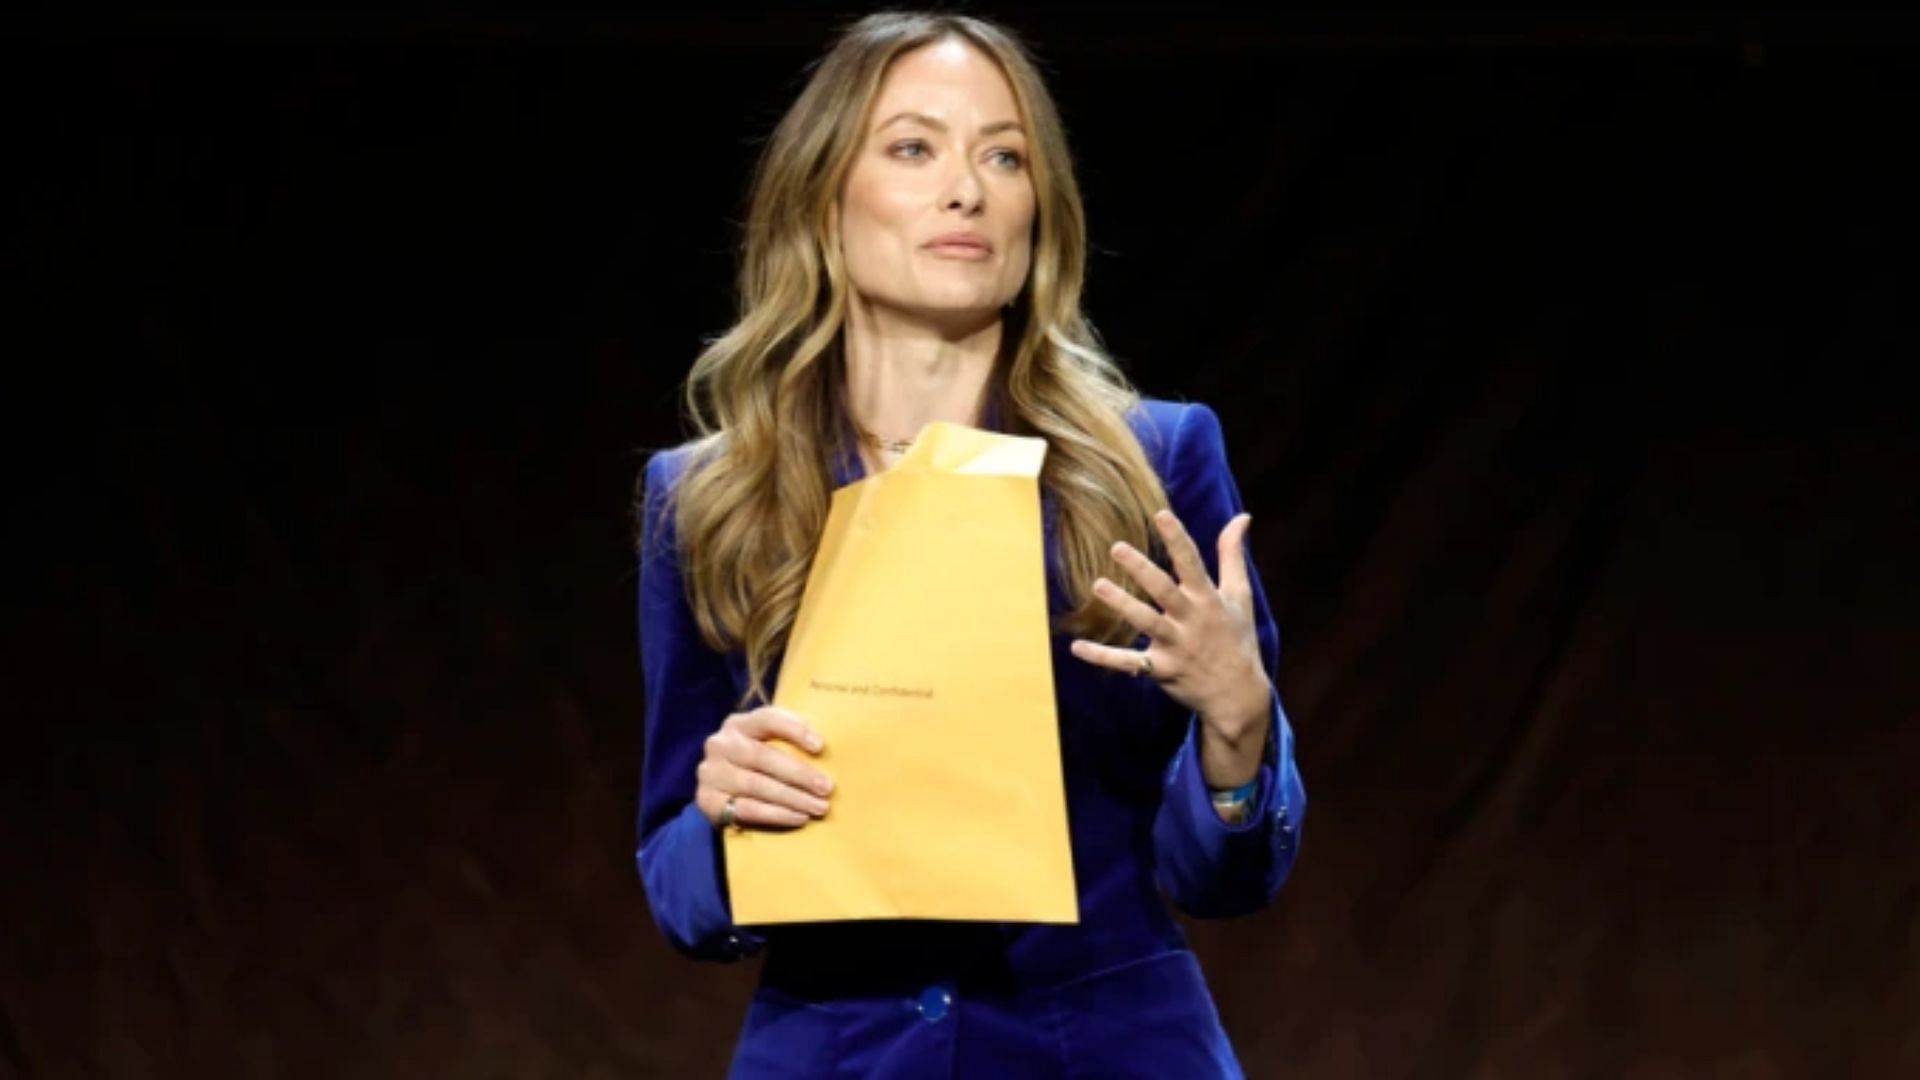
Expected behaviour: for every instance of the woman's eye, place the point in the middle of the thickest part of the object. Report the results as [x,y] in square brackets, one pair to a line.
[909,148]
[1008,159]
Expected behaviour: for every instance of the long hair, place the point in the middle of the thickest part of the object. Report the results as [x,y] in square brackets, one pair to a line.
[765,397]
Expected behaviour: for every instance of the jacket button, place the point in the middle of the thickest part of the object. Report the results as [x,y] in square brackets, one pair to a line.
[933,1004]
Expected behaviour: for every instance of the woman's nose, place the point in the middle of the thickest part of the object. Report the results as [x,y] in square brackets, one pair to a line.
[965,192]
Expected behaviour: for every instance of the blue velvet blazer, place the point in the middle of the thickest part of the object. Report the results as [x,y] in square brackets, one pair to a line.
[1118,994]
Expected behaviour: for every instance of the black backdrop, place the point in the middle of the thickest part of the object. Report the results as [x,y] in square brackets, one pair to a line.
[1564,364]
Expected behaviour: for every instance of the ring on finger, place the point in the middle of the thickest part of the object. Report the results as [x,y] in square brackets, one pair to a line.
[729,814]
[1146,665]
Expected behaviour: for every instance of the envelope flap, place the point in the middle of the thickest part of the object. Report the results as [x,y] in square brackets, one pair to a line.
[946,447]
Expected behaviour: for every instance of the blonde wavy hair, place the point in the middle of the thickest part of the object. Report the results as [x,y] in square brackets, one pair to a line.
[766,397]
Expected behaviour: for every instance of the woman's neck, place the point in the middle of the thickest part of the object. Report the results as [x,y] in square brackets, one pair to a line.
[902,376]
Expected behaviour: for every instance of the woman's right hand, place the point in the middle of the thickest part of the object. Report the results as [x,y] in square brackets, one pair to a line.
[768,787]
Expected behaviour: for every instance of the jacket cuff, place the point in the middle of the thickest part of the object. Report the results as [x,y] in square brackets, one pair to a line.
[684,869]
[1211,867]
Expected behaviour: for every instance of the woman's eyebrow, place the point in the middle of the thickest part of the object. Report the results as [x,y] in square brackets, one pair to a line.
[924,120]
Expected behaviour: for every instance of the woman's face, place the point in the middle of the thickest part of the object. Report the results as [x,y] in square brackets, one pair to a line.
[936,219]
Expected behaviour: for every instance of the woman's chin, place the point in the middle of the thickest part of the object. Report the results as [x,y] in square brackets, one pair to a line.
[953,313]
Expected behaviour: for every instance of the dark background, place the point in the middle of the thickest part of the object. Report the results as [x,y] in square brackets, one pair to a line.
[1565,364]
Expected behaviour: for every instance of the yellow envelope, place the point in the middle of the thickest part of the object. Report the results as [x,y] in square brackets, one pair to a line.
[921,655]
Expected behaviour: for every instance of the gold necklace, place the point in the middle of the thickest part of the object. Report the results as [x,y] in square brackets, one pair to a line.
[891,446]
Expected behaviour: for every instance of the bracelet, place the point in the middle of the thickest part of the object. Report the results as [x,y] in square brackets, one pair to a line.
[1228,797]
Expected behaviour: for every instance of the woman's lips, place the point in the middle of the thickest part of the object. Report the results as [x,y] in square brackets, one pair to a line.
[970,250]
[960,244]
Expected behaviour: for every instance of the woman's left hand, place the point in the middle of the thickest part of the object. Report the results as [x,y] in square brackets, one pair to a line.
[1202,647]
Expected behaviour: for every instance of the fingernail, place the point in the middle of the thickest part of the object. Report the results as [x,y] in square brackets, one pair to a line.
[813,743]
[819,807]
[823,785]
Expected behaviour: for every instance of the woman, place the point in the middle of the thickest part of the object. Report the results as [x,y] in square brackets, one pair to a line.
[914,252]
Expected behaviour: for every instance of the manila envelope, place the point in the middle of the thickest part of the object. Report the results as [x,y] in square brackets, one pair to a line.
[921,656]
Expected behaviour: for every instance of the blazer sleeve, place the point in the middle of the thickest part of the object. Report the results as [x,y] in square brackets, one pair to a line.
[689,692]
[1207,867]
